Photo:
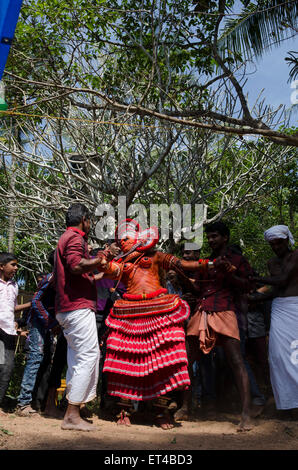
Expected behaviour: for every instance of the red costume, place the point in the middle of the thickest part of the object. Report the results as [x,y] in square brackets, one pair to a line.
[146,355]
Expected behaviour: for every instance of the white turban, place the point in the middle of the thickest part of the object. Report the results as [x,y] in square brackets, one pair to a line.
[278,231]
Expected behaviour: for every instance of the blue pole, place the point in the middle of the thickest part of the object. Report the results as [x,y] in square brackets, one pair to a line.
[9,13]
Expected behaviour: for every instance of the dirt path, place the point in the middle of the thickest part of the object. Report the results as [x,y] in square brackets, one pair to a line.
[40,433]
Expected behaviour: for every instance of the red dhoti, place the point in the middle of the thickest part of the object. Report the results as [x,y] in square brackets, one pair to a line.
[207,327]
[146,355]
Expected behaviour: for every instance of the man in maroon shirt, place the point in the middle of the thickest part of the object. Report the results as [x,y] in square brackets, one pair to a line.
[75,311]
[214,320]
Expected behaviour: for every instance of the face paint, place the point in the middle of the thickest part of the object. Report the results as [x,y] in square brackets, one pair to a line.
[127,242]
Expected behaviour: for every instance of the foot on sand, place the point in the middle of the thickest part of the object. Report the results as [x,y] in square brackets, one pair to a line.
[182,414]
[164,422]
[78,425]
[25,410]
[245,424]
[123,419]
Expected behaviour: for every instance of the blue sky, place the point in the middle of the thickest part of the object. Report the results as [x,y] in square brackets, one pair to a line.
[271,73]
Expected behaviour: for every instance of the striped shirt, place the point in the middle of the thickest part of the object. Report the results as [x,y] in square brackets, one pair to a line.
[43,303]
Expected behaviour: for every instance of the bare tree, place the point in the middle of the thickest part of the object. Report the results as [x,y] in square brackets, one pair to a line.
[158,60]
[136,101]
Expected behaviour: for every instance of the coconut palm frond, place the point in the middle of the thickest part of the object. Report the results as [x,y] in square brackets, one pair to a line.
[292,60]
[259,26]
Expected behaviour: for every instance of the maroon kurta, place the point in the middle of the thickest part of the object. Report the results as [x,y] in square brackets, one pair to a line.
[73,291]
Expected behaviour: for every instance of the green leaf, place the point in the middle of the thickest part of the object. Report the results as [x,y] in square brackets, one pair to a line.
[5,431]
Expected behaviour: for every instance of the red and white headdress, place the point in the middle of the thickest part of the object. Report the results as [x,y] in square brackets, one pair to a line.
[129,227]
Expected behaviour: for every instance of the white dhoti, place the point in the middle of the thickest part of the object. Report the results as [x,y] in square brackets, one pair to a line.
[83,354]
[283,352]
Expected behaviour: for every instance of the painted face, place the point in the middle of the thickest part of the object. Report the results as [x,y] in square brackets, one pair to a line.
[127,242]
[215,240]
[9,269]
[280,246]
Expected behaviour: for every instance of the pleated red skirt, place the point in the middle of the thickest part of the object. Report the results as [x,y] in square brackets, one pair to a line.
[146,355]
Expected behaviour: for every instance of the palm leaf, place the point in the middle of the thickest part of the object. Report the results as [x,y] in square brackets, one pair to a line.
[258,27]
[292,60]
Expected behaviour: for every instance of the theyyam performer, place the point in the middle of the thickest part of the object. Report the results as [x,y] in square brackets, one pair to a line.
[146,355]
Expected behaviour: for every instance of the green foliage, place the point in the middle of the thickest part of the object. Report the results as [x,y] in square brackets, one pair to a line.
[158,55]
[5,431]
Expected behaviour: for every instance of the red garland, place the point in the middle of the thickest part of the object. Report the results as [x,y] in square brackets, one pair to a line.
[144,296]
[205,261]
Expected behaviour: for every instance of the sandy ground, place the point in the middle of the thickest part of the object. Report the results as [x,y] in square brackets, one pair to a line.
[271,432]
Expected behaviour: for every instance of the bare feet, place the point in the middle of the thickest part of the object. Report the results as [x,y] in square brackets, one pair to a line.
[73,421]
[2,413]
[124,419]
[245,424]
[77,425]
[25,410]
[164,422]
[182,414]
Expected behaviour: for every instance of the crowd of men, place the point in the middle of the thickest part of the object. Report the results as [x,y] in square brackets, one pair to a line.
[222,301]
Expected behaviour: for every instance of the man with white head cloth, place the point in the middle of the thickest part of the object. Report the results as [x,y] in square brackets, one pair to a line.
[283,335]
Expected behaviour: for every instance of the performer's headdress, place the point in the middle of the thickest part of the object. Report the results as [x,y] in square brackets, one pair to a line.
[145,239]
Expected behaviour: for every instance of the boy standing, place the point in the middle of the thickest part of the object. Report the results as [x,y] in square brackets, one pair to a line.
[8,307]
[43,326]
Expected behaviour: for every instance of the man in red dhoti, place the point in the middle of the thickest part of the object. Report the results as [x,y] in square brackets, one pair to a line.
[215,321]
